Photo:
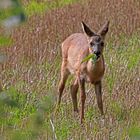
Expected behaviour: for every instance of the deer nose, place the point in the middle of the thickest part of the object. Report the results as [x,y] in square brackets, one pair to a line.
[97,53]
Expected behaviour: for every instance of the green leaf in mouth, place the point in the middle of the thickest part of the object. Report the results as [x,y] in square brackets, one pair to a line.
[90,56]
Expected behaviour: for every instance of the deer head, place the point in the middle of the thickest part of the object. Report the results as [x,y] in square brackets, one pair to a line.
[96,40]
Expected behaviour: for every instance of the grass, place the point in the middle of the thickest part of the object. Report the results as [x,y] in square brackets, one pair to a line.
[34,7]
[5,41]
[31,74]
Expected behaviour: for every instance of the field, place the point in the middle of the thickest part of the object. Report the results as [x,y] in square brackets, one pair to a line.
[30,75]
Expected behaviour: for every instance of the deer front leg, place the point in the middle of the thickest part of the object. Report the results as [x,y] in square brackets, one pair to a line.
[98,91]
[83,98]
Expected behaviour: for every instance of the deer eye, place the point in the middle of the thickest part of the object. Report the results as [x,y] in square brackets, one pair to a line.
[91,43]
[102,43]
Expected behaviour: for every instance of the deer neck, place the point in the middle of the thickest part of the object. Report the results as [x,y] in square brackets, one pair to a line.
[96,69]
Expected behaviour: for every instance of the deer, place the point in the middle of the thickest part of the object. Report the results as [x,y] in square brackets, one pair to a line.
[74,49]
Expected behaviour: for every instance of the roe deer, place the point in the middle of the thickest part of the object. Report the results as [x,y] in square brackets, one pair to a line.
[74,49]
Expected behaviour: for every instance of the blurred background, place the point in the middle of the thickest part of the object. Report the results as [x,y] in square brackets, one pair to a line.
[31,33]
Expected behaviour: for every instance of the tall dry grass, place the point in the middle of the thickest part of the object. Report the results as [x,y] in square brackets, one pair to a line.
[34,60]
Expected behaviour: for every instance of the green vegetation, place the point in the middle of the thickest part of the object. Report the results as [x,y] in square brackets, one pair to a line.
[33,7]
[5,41]
[39,7]
[91,56]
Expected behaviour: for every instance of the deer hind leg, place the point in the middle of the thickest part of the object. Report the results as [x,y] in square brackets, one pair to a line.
[81,83]
[64,76]
[98,91]
[74,89]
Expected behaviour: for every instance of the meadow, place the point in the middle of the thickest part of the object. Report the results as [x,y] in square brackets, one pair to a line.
[30,75]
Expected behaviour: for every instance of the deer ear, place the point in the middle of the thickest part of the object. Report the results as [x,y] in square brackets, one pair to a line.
[87,30]
[104,29]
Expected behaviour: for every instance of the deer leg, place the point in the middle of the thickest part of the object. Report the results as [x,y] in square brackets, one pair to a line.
[83,98]
[98,91]
[64,76]
[74,89]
